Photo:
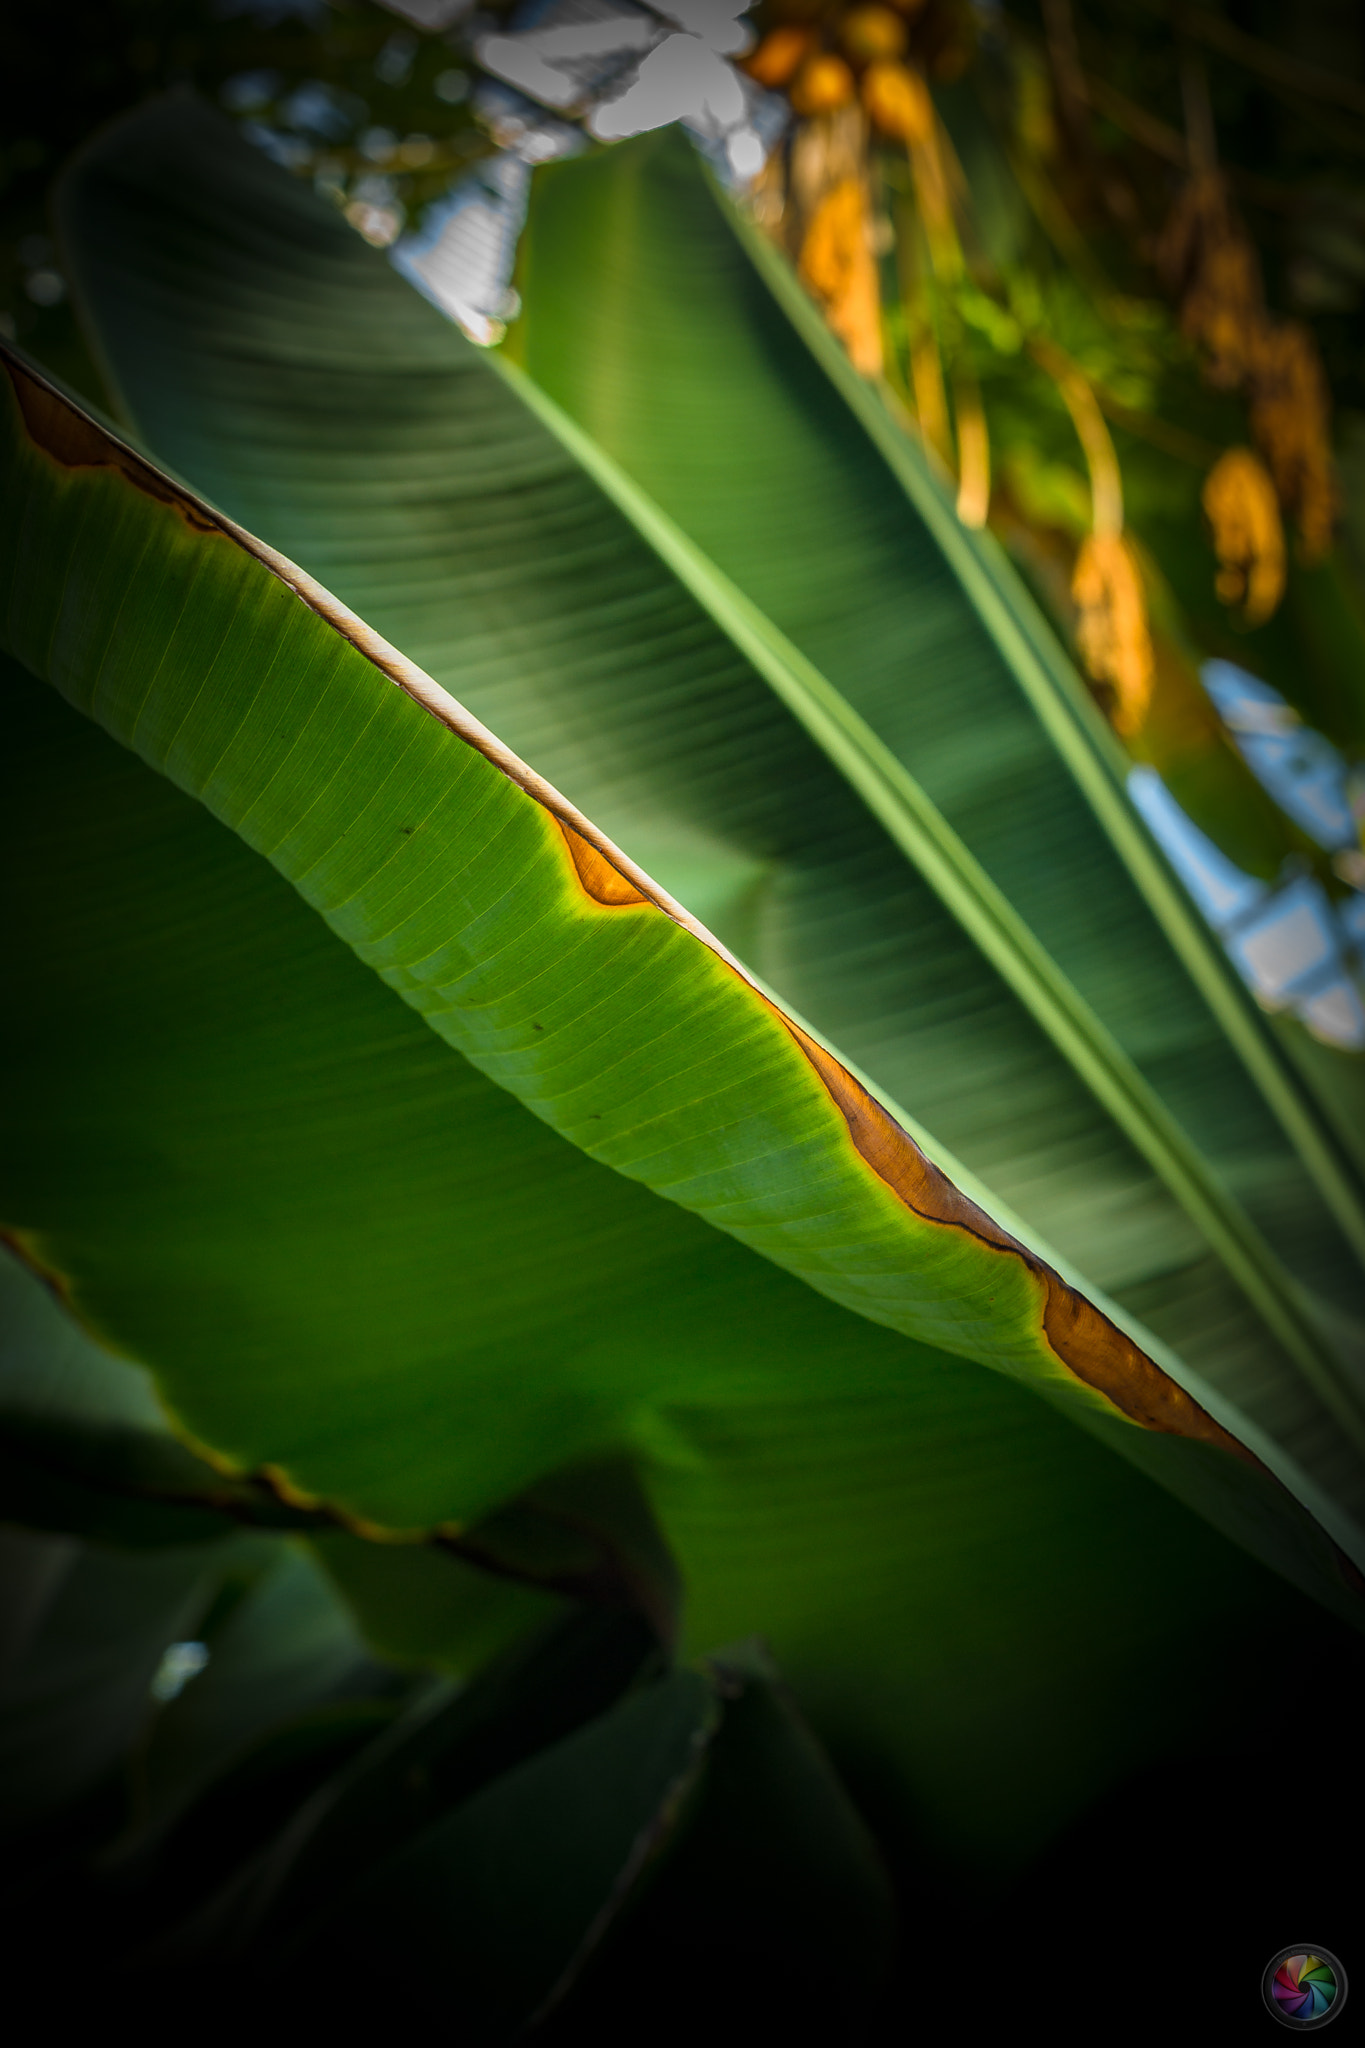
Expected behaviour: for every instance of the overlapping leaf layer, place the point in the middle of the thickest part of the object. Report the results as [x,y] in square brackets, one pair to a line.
[615,1202]
[977,939]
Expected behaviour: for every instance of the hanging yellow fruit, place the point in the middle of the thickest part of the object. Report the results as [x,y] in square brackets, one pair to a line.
[822,86]
[1221,312]
[837,264]
[779,55]
[1207,258]
[1290,412]
[1248,538]
[868,33]
[1112,634]
[973,453]
[823,153]
[897,100]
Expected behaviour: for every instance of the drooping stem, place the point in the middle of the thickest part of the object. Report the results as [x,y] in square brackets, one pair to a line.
[926,367]
[974,451]
[1106,484]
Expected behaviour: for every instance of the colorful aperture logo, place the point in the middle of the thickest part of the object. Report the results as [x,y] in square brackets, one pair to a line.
[1304,1987]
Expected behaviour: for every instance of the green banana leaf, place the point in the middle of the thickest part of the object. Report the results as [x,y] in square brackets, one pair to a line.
[710,786]
[776,1864]
[149,1883]
[362,1269]
[677,338]
[84,1446]
[375,1273]
[250,1826]
[442,1748]
[85,1450]
[91,1707]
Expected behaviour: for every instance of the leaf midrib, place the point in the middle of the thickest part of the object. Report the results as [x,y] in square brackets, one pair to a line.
[915,826]
[1084,742]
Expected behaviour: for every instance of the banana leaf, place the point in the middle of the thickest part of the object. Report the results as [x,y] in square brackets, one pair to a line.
[402,1279]
[85,1450]
[679,341]
[1140,1119]
[84,1446]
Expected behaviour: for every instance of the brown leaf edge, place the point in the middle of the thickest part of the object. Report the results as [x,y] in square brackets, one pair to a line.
[1083,1340]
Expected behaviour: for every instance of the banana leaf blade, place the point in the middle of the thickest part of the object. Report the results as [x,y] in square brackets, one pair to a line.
[243,1049]
[250,333]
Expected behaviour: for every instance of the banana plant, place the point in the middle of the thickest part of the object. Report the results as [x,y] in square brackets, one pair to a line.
[593,1021]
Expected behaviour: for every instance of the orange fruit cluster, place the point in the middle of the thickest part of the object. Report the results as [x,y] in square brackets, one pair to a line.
[794,57]
[1209,262]
[1112,635]
[1244,517]
[838,265]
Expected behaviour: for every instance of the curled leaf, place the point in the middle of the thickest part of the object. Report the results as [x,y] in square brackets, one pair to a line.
[1248,538]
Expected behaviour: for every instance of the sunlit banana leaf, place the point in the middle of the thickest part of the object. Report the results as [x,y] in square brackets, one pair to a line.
[675,336]
[250,335]
[357,1264]
[362,1270]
